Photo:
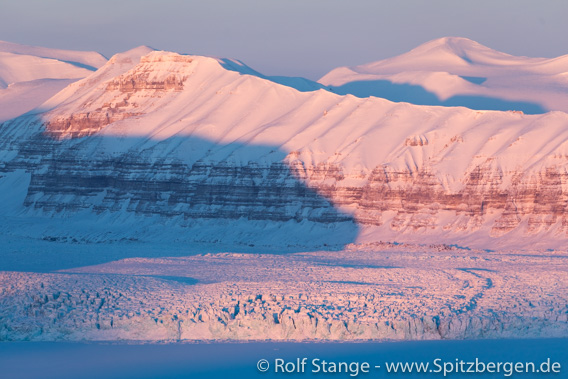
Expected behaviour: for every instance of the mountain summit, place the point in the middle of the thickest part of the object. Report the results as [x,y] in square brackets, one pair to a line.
[462,55]
[455,71]
[156,138]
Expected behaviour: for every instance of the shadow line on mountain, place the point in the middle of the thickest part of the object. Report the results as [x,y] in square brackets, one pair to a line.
[81,65]
[182,189]
[416,94]
[296,82]
[474,79]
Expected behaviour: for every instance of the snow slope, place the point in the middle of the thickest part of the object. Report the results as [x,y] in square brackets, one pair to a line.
[123,176]
[457,71]
[299,83]
[86,59]
[184,138]
[30,75]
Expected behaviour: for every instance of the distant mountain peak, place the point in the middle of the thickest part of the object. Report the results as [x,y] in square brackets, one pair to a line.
[131,55]
[87,59]
[451,42]
[159,134]
[471,52]
[457,71]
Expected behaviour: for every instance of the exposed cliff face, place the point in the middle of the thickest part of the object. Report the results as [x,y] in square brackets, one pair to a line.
[203,190]
[181,137]
[123,95]
[419,199]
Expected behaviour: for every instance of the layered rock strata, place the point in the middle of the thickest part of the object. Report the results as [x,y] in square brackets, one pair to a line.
[179,136]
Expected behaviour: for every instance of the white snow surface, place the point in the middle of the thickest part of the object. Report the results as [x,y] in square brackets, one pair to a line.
[85,58]
[22,97]
[459,71]
[237,111]
[225,106]
[30,75]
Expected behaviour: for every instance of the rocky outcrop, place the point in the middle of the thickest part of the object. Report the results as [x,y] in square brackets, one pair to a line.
[418,198]
[202,190]
[65,180]
[122,96]
[79,125]
[181,137]
[136,83]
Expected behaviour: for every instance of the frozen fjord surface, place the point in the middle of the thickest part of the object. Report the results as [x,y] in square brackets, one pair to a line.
[362,292]
[238,360]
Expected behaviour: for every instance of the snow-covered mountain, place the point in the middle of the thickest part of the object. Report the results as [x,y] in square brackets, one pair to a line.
[459,72]
[130,196]
[157,141]
[30,75]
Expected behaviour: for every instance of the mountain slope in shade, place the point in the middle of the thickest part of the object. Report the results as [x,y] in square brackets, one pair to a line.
[299,83]
[159,136]
[30,75]
[459,72]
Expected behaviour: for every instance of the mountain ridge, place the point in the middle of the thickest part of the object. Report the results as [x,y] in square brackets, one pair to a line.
[90,60]
[30,75]
[121,140]
[460,72]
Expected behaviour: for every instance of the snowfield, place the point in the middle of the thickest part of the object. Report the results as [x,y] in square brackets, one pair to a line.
[454,71]
[30,75]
